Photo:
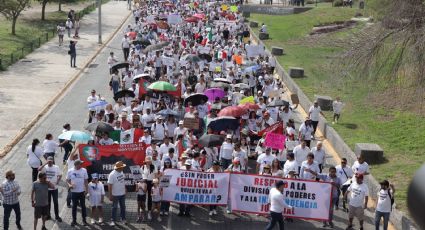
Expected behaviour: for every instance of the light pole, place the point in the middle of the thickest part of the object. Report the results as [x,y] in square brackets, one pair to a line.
[99,20]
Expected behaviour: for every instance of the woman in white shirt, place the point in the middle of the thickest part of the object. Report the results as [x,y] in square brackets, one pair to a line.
[276,168]
[34,153]
[149,172]
[305,131]
[50,146]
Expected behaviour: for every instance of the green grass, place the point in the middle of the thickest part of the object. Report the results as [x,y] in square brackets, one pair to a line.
[399,133]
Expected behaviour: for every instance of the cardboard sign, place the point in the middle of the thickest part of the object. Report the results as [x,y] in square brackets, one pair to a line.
[168,61]
[275,141]
[191,123]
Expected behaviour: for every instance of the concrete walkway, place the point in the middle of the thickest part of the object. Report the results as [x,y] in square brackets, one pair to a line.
[30,84]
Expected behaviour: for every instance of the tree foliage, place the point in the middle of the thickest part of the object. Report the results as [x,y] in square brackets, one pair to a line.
[11,10]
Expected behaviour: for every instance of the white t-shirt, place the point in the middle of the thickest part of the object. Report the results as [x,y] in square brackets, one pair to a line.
[226,150]
[49,146]
[147,174]
[359,168]
[307,175]
[52,174]
[147,118]
[159,131]
[319,155]
[242,156]
[96,191]
[117,180]
[340,173]
[264,159]
[77,178]
[290,166]
[384,201]
[337,106]
[147,140]
[178,131]
[306,131]
[34,158]
[357,194]
[125,43]
[285,116]
[314,113]
[277,201]
[301,154]
[163,149]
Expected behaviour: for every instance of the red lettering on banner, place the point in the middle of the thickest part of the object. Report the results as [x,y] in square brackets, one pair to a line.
[264,181]
[289,211]
[195,183]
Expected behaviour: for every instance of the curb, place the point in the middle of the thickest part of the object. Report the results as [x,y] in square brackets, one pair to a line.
[8,147]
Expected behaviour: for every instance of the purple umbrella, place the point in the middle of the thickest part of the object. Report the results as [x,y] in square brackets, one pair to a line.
[213,93]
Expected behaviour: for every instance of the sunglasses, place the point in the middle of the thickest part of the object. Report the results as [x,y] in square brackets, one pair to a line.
[343,162]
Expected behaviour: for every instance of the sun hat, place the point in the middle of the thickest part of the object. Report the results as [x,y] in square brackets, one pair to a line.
[119,165]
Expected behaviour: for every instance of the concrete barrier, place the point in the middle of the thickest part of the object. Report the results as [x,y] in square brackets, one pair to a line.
[296,72]
[397,218]
[263,36]
[277,51]
[253,24]
[325,102]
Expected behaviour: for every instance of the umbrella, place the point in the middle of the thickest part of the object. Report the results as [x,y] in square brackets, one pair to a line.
[241,86]
[132,35]
[250,106]
[162,86]
[249,99]
[162,25]
[143,42]
[167,112]
[143,75]
[75,135]
[191,19]
[277,103]
[200,16]
[155,47]
[223,123]
[100,127]
[97,103]
[232,111]
[192,58]
[123,93]
[222,80]
[211,140]
[220,85]
[120,65]
[196,99]
[214,93]
[206,57]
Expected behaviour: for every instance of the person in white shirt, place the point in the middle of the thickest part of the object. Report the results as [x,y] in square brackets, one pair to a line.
[242,155]
[305,131]
[300,152]
[77,179]
[314,114]
[54,175]
[50,146]
[117,191]
[359,196]
[165,147]
[360,167]
[34,154]
[319,155]
[180,130]
[125,45]
[290,165]
[384,205]
[148,119]
[149,172]
[286,114]
[159,129]
[277,206]
[171,157]
[96,198]
[146,104]
[264,159]
[111,61]
[337,106]
[91,99]
[146,138]
[309,168]
[226,151]
[345,173]
[106,140]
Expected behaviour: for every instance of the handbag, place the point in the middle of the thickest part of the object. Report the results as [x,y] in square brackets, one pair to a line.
[69,52]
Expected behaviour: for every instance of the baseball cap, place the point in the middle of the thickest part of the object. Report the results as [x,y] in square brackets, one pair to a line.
[78,162]
[180,122]
[50,158]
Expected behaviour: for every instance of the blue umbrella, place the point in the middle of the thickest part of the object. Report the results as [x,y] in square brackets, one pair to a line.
[97,103]
[223,123]
[75,135]
[251,69]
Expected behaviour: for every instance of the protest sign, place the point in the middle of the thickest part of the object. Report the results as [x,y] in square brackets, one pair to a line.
[191,123]
[168,61]
[174,19]
[310,199]
[275,141]
[194,187]
[277,127]
[204,50]
[102,158]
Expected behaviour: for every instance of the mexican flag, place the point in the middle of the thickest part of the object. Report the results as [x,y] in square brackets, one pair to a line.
[126,137]
[143,85]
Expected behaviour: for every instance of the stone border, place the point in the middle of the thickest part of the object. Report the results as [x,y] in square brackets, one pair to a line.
[24,130]
[398,218]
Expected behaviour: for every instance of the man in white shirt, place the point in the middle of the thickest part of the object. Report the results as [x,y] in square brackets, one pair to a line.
[359,195]
[171,157]
[106,140]
[164,148]
[125,45]
[159,129]
[180,130]
[90,99]
[319,155]
[111,61]
[314,114]
[226,151]
[384,205]
[264,159]
[309,168]
[146,104]
[290,164]
[345,173]
[337,108]
[238,152]
[300,152]
[360,167]
[148,119]
[117,191]
[54,175]
[277,206]
[77,179]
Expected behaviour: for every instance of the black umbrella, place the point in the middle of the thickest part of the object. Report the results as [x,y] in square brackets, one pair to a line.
[120,65]
[155,47]
[123,93]
[206,57]
[143,42]
[211,140]
[277,103]
[223,123]
[196,99]
[100,127]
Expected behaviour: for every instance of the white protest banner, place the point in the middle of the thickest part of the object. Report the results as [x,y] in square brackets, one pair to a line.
[198,188]
[168,61]
[204,50]
[174,19]
[310,199]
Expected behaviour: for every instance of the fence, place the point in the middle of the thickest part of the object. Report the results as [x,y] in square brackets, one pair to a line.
[10,58]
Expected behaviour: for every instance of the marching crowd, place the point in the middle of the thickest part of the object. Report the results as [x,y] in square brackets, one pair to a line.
[194,68]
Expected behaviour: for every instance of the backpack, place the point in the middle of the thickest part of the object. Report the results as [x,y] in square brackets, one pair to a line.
[392,199]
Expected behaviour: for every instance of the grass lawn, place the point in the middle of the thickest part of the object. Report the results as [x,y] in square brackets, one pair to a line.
[399,133]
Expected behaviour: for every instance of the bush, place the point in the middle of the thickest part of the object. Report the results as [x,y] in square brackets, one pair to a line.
[338,3]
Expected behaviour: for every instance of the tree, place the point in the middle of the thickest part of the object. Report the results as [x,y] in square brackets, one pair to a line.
[43,8]
[11,9]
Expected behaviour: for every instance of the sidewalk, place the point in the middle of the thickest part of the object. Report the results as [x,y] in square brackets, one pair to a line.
[30,84]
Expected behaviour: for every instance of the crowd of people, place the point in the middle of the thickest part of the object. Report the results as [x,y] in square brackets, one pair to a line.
[217,85]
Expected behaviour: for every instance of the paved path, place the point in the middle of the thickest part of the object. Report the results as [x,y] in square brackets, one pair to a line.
[26,87]
[71,108]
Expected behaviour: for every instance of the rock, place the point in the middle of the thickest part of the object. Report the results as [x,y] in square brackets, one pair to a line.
[253,24]
[372,153]
[246,14]
[278,51]
[263,36]
[325,102]
[296,72]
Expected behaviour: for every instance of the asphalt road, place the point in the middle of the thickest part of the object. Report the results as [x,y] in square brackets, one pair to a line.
[71,108]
